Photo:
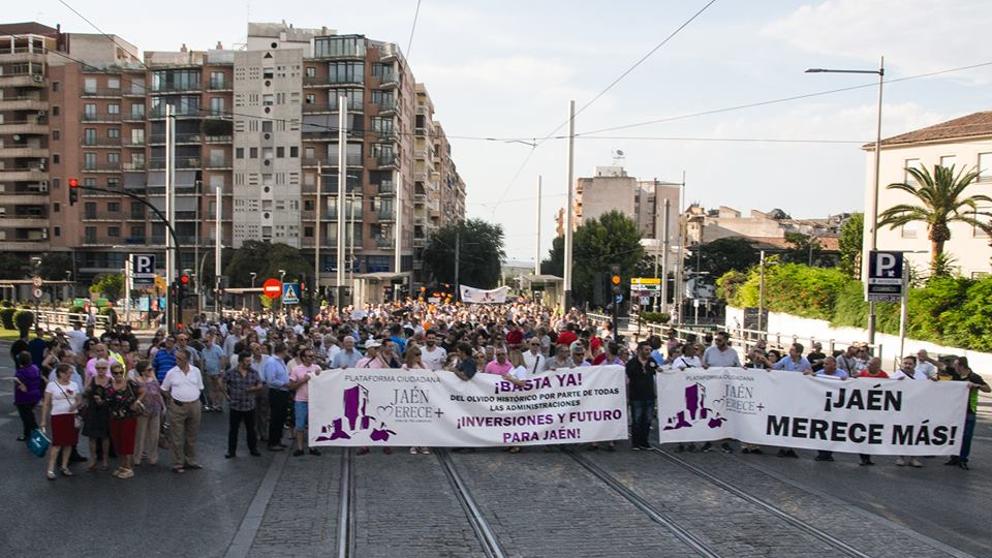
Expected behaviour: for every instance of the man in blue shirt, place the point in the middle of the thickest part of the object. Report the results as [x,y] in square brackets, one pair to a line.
[396,336]
[276,376]
[212,359]
[348,356]
[165,358]
[794,361]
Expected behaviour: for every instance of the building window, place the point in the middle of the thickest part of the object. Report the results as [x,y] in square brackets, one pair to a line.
[909,230]
[113,108]
[114,133]
[56,183]
[309,99]
[55,86]
[89,136]
[339,46]
[113,183]
[114,207]
[239,153]
[55,110]
[217,106]
[947,161]
[89,85]
[280,152]
[89,181]
[56,207]
[253,153]
[89,210]
[985,167]
[308,232]
[346,72]
[267,126]
[216,80]
[113,232]
[311,72]
[294,151]
[89,161]
[89,234]
[979,232]
[307,205]
[55,158]
[56,135]
[175,80]
[57,231]
[137,232]
[114,159]
[137,210]
[138,111]
[89,111]
[910,164]
[137,136]
[113,83]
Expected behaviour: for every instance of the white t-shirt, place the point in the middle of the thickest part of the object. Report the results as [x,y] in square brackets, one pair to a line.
[717,358]
[927,369]
[63,397]
[520,372]
[77,338]
[433,360]
[683,362]
[900,375]
[535,363]
[186,387]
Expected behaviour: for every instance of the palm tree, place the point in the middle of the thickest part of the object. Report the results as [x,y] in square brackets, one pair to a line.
[942,202]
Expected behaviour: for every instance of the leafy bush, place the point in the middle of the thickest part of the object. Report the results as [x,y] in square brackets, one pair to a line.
[7,317]
[655,317]
[951,311]
[6,304]
[76,309]
[23,320]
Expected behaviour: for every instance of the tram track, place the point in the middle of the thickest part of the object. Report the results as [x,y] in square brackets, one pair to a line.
[487,538]
[841,546]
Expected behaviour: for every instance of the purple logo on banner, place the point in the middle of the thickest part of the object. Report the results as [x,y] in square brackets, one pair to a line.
[355,419]
[695,411]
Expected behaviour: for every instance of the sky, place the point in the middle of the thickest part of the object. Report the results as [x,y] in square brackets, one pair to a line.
[508,69]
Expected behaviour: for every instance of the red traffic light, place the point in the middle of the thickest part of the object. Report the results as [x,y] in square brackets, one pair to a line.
[184,279]
[74,183]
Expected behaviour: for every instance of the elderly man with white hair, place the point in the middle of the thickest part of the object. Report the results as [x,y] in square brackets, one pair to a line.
[347,356]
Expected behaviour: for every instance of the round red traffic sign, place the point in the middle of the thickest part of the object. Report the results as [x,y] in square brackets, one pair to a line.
[272,288]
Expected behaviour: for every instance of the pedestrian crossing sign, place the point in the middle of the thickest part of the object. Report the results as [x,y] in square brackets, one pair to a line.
[290,293]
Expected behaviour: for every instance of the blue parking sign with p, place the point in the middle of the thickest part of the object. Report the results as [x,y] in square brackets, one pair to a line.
[143,269]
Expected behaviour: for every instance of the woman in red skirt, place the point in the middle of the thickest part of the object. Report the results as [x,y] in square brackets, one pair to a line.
[124,409]
[62,399]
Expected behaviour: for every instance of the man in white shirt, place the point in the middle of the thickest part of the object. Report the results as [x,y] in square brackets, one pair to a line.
[926,365]
[77,338]
[182,386]
[688,358]
[909,370]
[720,354]
[534,360]
[431,354]
[231,341]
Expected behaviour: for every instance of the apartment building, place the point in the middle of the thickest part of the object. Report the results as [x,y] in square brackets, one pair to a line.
[254,124]
[765,229]
[611,189]
[964,143]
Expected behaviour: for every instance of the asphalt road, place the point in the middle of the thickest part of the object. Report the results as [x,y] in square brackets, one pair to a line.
[536,503]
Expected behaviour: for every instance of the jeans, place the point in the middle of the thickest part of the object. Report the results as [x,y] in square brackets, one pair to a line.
[969,431]
[234,422]
[641,415]
[27,418]
[278,408]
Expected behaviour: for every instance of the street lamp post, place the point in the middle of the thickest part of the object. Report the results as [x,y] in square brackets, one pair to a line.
[253,275]
[282,279]
[873,236]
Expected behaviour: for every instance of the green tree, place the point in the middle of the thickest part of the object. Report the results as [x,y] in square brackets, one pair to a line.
[54,265]
[555,264]
[481,253]
[265,259]
[942,201]
[850,244]
[802,248]
[110,285]
[613,239]
[12,267]
[724,254]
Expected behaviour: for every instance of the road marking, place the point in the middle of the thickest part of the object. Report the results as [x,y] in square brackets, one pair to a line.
[241,543]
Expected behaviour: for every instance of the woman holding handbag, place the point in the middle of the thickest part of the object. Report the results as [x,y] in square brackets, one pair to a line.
[96,414]
[150,417]
[62,399]
[123,399]
[27,392]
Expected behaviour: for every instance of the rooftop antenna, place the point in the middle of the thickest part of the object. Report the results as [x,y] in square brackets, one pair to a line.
[618,158]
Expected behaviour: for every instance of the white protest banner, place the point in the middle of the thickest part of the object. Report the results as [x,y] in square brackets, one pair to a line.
[472,295]
[365,407]
[788,409]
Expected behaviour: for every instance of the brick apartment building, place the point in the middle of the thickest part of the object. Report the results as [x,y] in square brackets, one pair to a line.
[253,122]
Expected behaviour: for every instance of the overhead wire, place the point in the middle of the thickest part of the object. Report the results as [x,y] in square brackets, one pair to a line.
[409,43]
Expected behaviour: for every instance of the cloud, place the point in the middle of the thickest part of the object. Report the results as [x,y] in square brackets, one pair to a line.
[915,36]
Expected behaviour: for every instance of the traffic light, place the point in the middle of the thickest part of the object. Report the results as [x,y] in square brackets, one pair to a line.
[184,279]
[73,191]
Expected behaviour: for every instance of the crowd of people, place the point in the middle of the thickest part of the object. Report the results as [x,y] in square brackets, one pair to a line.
[130,400]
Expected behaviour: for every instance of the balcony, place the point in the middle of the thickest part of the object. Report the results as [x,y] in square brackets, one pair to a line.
[22,54]
[419,242]
[162,89]
[386,160]
[384,241]
[386,214]
[93,117]
[22,80]
[385,106]
[134,166]
[22,175]
[136,90]
[133,117]
[419,198]
[26,197]
[219,85]
[100,92]
[181,138]
[386,187]
[134,142]
[218,139]
[24,127]
[311,108]
[99,141]
[181,163]
[218,164]
[23,103]
[112,216]
[102,167]
[158,112]
[23,151]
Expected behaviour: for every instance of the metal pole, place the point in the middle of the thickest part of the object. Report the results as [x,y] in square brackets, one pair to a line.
[903,304]
[342,188]
[678,298]
[351,239]
[458,248]
[127,290]
[664,257]
[398,230]
[316,241]
[537,242]
[569,209]
[761,291]
[218,232]
[171,313]
[874,204]
[197,290]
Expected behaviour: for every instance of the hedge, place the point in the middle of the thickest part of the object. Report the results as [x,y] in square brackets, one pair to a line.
[7,317]
[952,311]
